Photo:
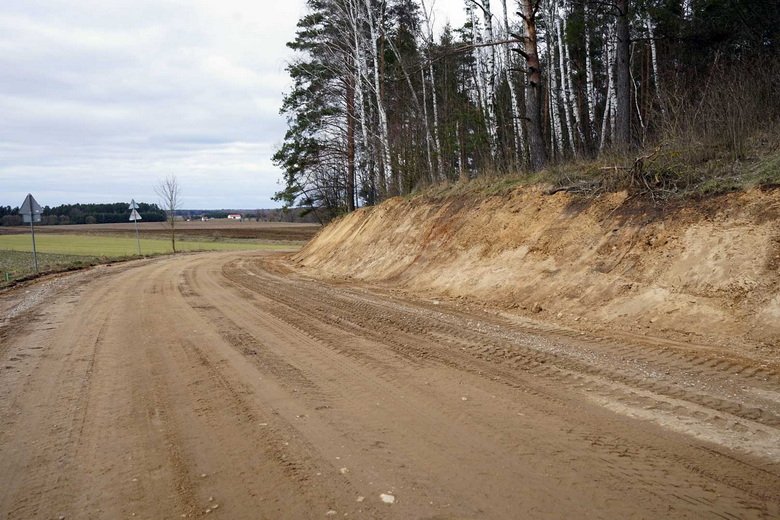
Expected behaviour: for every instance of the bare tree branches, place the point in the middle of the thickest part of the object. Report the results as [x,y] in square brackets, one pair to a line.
[169,191]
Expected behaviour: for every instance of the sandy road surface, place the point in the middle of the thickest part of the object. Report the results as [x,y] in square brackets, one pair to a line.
[228,386]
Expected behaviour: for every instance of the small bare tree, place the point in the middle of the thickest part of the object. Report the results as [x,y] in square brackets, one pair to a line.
[169,191]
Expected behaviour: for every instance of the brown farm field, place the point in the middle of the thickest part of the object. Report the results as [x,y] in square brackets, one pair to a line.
[216,229]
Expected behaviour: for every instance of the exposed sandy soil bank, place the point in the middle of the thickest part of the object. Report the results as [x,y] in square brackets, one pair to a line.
[705,272]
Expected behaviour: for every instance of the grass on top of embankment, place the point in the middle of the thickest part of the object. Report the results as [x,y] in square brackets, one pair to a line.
[661,174]
[65,252]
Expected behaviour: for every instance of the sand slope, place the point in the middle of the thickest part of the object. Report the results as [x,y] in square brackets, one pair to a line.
[706,271]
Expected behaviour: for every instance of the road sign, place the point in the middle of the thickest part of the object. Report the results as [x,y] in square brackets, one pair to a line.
[31,213]
[135,217]
[30,210]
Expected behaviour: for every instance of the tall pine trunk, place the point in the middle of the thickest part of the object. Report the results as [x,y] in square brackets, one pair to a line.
[533,92]
[622,138]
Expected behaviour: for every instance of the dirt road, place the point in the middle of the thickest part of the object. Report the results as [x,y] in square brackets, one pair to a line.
[230,386]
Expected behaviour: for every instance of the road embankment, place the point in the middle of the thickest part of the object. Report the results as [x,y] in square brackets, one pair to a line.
[705,271]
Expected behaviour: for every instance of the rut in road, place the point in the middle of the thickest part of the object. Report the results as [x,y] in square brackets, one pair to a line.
[460,339]
[232,386]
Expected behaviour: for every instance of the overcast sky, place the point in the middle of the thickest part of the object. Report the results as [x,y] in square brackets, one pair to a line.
[100,99]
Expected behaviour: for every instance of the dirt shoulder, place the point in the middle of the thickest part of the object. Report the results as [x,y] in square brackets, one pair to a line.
[705,272]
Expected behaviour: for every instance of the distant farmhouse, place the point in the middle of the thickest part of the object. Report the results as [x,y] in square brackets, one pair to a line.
[234,216]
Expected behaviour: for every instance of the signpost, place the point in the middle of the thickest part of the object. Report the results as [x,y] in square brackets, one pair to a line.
[31,212]
[135,217]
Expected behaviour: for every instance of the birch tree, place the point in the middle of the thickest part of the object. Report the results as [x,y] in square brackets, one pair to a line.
[590,91]
[429,45]
[386,167]
[649,25]
[608,116]
[517,127]
[570,88]
[567,109]
[556,134]
[490,78]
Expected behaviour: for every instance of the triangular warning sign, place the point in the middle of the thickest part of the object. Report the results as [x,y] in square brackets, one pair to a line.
[135,216]
[30,206]
[30,210]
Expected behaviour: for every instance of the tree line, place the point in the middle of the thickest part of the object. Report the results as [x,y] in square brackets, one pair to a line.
[85,214]
[381,104]
[118,212]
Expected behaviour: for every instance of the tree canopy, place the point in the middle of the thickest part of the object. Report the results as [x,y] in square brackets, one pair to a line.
[380,105]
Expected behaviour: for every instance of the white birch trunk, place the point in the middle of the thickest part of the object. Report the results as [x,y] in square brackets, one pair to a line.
[636,93]
[613,108]
[612,91]
[461,171]
[516,122]
[604,120]
[573,102]
[361,74]
[427,128]
[483,73]
[555,116]
[387,168]
[479,77]
[490,94]
[477,59]
[687,6]
[609,106]
[564,86]
[590,91]
[436,140]
[654,59]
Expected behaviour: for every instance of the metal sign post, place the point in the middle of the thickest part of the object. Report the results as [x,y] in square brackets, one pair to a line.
[31,212]
[135,217]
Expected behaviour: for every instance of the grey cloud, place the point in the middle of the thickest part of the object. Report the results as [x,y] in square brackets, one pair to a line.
[102,98]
